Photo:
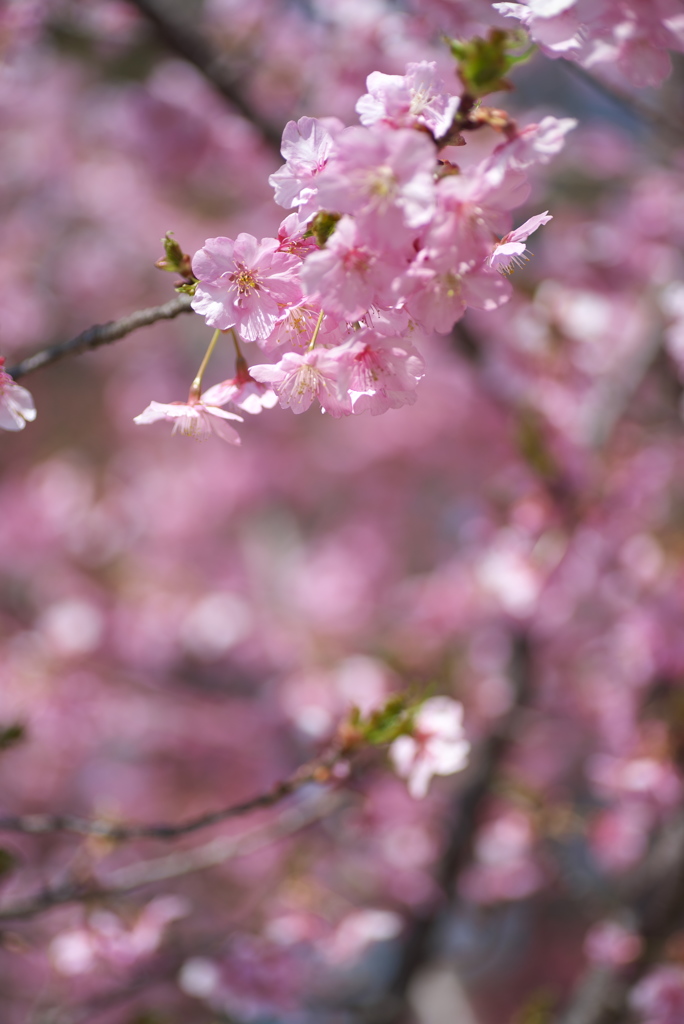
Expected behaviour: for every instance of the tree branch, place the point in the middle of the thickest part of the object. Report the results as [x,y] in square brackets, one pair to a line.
[180,34]
[126,879]
[102,334]
[318,770]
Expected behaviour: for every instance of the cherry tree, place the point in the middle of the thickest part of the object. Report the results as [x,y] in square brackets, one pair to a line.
[374,712]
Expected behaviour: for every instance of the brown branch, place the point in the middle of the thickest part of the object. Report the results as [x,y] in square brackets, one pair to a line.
[318,770]
[101,334]
[180,35]
[626,101]
[127,879]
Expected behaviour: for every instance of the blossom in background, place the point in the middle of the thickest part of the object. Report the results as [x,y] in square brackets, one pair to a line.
[437,746]
[612,944]
[16,403]
[195,418]
[241,282]
[659,997]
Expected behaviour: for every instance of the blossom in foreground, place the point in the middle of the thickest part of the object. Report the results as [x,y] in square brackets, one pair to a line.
[241,282]
[385,178]
[16,403]
[402,101]
[298,379]
[306,146]
[437,747]
[242,390]
[194,418]
[346,277]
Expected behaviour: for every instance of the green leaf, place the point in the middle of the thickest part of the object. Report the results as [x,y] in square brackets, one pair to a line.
[12,734]
[323,225]
[174,260]
[8,862]
[482,63]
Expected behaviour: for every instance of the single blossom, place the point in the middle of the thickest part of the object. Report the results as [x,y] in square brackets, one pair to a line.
[241,390]
[437,747]
[297,379]
[296,326]
[306,147]
[16,403]
[347,277]
[194,418]
[510,252]
[385,178]
[293,238]
[381,373]
[241,283]
[437,296]
[419,97]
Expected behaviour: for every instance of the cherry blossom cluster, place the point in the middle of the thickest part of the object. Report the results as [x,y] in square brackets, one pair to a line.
[388,242]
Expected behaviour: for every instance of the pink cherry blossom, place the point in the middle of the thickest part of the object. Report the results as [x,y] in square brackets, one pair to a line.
[402,101]
[385,178]
[437,747]
[306,146]
[510,252]
[298,379]
[296,326]
[437,296]
[242,281]
[347,277]
[293,238]
[660,995]
[612,944]
[381,373]
[552,24]
[243,391]
[195,418]
[16,403]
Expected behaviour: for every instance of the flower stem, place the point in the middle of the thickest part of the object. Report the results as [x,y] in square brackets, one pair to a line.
[196,386]
[312,343]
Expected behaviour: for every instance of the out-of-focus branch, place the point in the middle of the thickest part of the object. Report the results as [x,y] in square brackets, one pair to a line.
[634,106]
[318,770]
[184,862]
[102,334]
[654,899]
[463,825]
[181,35]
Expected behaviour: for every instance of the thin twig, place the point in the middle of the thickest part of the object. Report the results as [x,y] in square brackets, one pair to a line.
[318,770]
[639,110]
[180,34]
[101,334]
[127,879]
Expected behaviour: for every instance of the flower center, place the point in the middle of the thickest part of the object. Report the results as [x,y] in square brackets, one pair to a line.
[244,279]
